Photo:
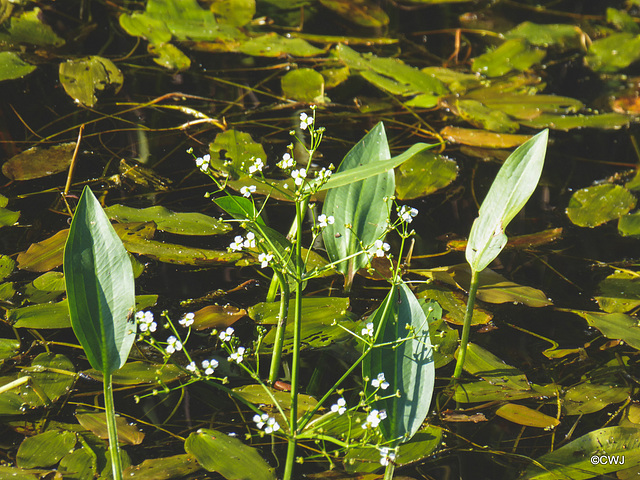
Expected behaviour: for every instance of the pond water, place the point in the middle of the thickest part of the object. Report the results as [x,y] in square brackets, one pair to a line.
[136,86]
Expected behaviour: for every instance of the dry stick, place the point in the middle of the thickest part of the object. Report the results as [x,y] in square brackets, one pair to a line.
[73,162]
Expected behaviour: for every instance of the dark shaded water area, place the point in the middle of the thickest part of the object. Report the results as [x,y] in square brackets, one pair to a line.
[244,93]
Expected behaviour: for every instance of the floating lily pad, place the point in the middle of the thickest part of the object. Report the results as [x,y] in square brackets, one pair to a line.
[177,466]
[361,12]
[218,452]
[481,116]
[456,81]
[615,326]
[304,85]
[515,54]
[79,464]
[598,204]
[96,422]
[54,374]
[12,66]
[183,223]
[568,122]
[526,416]
[454,305]
[589,397]
[529,107]
[482,138]
[168,56]
[489,392]
[424,174]
[45,449]
[274,45]
[629,225]
[9,347]
[217,316]
[139,373]
[490,368]
[257,395]
[613,53]
[619,292]
[237,147]
[83,78]
[48,315]
[560,35]
[7,265]
[38,162]
[28,27]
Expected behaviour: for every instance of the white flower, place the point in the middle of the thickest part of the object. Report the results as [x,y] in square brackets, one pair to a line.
[265,258]
[173,345]
[386,456]
[247,191]
[299,176]
[270,422]
[203,162]
[227,334]
[323,220]
[257,166]
[250,242]
[407,213]
[305,121]
[368,330]
[323,175]
[236,245]
[379,248]
[192,367]
[380,382]
[238,355]
[260,419]
[209,366]
[340,406]
[287,162]
[145,321]
[187,320]
[374,418]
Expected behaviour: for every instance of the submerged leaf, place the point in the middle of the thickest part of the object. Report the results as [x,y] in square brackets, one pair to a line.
[38,162]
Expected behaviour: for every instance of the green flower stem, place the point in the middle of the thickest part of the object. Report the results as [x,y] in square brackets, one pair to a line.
[276,356]
[462,353]
[388,471]
[112,429]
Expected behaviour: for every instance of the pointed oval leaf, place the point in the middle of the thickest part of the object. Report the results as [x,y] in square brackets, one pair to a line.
[45,449]
[526,416]
[512,187]
[100,287]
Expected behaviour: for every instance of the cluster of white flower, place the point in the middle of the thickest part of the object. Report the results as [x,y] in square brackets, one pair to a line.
[407,214]
[227,335]
[380,382]
[209,366]
[173,345]
[305,121]
[324,221]
[247,191]
[287,162]
[203,162]
[145,322]
[264,259]
[192,367]
[340,406]
[379,248]
[238,355]
[187,320]
[299,176]
[257,166]
[368,330]
[374,418]
[239,242]
[323,175]
[269,423]
[387,456]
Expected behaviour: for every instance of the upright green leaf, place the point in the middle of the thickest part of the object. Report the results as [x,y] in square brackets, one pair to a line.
[100,287]
[512,187]
[359,208]
[408,365]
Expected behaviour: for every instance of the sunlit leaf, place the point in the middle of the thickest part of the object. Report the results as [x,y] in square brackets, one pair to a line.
[573,460]
[96,422]
[7,265]
[48,315]
[240,208]
[303,85]
[526,416]
[558,35]
[168,56]
[9,347]
[361,12]
[629,225]
[53,373]
[481,116]
[509,192]
[609,120]
[454,305]
[615,326]
[233,12]
[237,147]
[79,464]
[217,316]
[83,78]
[515,54]
[482,138]
[176,466]
[492,369]
[138,373]
[100,287]
[257,395]
[28,27]
[590,397]
[423,174]
[38,162]
[598,204]
[365,226]
[613,53]
[619,292]
[12,66]
[274,45]
[218,452]
[45,449]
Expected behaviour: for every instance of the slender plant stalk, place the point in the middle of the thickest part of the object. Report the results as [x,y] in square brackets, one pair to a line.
[388,471]
[276,356]
[112,429]
[464,340]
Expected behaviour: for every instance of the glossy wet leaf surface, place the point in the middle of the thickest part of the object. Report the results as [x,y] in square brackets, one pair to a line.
[83,78]
[12,66]
[96,423]
[423,174]
[619,292]
[593,206]
[615,326]
[526,416]
[176,466]
[46,449]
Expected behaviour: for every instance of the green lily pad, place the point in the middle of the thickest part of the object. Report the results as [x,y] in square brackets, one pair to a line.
[257,395]
[361,12]
[12,66]
[46,288]
[182,223]
[79,464]
[236,147]
[176,466]
[560,35]
[589,397]
[454,305]
[605,121]
[217,316]
[526,416]
[168,56]
[613,53]
[482,138]
[47,315]
[598,204]
[218,452]
[38,162]
[515,54]
[83,78]
[96,422]
[8,217]
[304,85]
[455,80]
[529,107]
[615,326]
[390,74]
[490,368]
[15,473]
[139,373]
[424,174]
[233,12]
[274,45]
[629,225]
[488,392]
[7,291]
[7,265]
[45,449]
[9,347]
[28,27]
[619,292]
[481,116]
